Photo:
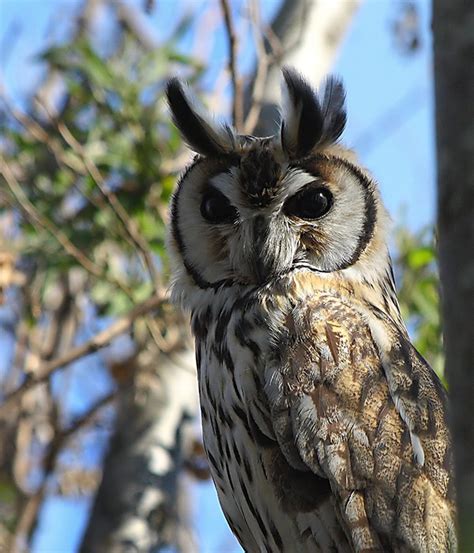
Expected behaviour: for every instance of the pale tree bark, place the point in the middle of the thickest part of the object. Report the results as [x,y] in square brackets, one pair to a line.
[136,506]
[141,504]
[453,24]
[309,34]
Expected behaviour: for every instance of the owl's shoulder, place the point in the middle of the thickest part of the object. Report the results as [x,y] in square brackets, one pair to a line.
[367,413]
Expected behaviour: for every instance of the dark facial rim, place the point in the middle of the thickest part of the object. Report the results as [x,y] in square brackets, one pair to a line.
[364,239]
[369,202]
[191,270]
[198,280]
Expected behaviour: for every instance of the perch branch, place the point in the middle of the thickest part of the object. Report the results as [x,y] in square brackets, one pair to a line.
[263,61]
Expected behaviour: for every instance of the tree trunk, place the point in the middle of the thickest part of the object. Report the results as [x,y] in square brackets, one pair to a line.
[310,33]
[453,24]
[136,506]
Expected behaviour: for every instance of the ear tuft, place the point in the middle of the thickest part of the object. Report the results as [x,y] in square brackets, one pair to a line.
[196,126]
[302,121]
[334,110]
[305,122]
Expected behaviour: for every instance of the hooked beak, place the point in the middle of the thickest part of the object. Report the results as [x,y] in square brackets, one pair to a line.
[270,251]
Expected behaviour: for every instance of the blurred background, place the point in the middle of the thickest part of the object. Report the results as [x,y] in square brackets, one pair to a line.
[100,446]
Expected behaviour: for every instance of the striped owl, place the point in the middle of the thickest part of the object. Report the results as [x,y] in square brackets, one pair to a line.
[324,428]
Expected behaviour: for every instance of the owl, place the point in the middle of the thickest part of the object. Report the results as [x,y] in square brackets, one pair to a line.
[324,428]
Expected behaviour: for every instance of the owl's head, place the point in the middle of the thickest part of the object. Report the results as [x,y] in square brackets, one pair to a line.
[249,210]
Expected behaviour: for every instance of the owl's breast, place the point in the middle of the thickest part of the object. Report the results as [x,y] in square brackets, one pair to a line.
[233,346]
[265,500]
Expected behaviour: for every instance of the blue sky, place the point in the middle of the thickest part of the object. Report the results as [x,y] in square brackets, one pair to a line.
[377,77]
[390,106]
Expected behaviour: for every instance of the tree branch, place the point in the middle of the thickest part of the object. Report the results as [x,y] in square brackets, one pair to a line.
[37,132]
[91,346]
[114,202]
[263,61]
[237,100]
[29,515]
[300,29]
[34,215]
[85,419]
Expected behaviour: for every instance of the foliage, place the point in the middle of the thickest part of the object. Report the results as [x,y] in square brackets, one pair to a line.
[88,173]
[111,131]
[91,175]
[418,283]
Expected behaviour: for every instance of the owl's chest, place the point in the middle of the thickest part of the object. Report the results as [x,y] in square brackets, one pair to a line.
[232,350]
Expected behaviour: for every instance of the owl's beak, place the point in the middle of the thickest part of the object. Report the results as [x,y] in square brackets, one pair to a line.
[271,251]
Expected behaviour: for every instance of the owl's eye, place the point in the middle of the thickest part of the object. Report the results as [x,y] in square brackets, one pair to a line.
[216,208]
[311,202]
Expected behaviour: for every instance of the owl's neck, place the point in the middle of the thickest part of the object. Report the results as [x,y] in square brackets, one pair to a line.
[371,283]
[380,292]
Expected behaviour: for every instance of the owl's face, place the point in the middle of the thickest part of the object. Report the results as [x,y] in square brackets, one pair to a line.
[251,209]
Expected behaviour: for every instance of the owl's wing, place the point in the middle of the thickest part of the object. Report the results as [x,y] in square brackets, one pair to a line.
[351,399]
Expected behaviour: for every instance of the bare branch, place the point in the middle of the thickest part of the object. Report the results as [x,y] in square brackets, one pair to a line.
[36,218]
[303,27]
[86,166]
[29,515]
[37,132]
[132,20]
[390,120]
[263,61]
[238,100]
[86,419]
[94,344]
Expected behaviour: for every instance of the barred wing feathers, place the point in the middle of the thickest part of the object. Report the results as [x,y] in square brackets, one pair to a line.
[367,413]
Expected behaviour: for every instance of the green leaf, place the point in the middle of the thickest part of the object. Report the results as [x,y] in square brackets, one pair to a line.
[142,292]
[58,56]
[97,69]
[420,257]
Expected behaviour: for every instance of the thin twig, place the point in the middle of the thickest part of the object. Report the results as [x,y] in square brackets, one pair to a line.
[274,43]
[38,133]
[390,120]
[87,418]
[263,61]
[35,217]
[131,233]
[97,342]
[131,19]
[33,214]
[114,203]
[84,166]
[237,101]
[29,515]
[275,32]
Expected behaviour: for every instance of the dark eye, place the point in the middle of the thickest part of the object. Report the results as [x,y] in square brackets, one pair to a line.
[216,208]
[311,202]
